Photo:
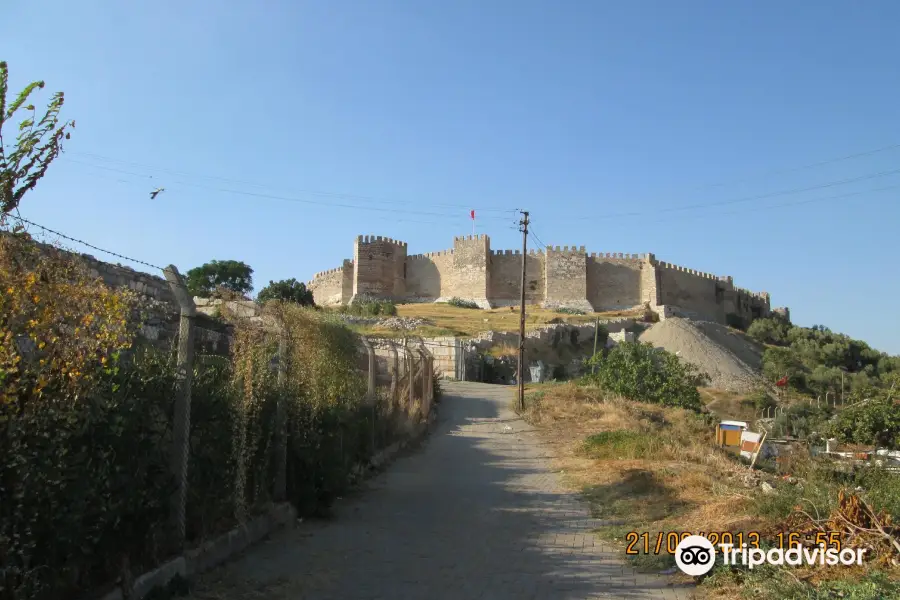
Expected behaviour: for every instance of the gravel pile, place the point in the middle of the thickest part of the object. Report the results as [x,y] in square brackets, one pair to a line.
[406,323]
[731,360]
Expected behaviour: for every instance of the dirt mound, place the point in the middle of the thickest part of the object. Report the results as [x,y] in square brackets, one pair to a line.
[731,359]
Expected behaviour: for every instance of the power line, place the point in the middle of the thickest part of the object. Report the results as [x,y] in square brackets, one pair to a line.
[757,197]
[82,242]
[804,167]
[445,216]
[338,195]
[779,205]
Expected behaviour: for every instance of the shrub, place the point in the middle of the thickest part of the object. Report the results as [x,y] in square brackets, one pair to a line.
[802,420]
[288,290]
[460,303]
[369,308]
[565,310]
[769,331]
[876,422]
[638,371]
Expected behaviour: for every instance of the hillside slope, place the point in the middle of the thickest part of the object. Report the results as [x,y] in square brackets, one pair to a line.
[730,358]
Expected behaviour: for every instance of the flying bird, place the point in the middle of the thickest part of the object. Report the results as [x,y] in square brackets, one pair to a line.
[156,192]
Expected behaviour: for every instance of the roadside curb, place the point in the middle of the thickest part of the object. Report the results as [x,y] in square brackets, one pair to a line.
[211,553]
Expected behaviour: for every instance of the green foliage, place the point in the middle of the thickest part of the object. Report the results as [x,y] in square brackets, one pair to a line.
[876,422]
[761,400]
[231,275]
[460,303]
[775,583]
[771,330]
[369,308]
[639,372]
[86,430]
[802,420]
[287,290]
[781,362]
[815,358]
[569,311]
[37,143]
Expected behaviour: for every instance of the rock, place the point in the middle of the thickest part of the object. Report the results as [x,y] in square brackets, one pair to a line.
[766,488]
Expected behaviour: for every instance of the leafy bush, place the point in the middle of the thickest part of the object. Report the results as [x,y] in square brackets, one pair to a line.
[876,422]
[761,400]
[86,427]
[369,308]
[565,310]
[460,303]
[802,420]
[232,275]
[637,371]
[769,330]
[287,290]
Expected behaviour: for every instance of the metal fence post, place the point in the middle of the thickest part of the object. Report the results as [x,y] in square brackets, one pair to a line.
[181,426]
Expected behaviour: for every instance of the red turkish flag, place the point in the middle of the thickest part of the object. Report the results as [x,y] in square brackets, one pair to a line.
[782,382]
[472,215]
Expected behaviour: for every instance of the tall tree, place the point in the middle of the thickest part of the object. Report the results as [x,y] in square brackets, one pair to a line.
[38,142]
[288,290]
[232,275]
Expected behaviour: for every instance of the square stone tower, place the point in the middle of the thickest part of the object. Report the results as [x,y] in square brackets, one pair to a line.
[471,277]
[380,268]
[565,281]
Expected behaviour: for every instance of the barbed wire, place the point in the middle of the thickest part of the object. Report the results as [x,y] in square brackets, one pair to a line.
[89,245]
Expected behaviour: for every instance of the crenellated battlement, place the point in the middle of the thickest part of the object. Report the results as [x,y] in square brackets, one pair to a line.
[617,256]
[430,255]
[470,238]
[695,272]
[328,272]
[515,252]
[566,249]
[556,276]
[377,239]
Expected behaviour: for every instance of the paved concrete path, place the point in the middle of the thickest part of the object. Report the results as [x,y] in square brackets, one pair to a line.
[476,513]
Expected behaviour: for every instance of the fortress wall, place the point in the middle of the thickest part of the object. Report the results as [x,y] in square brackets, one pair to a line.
[565,276]
[506,277]
[614,280]
[746,304]
[428,276]
[470,277]
[328,287]
[380,267]
[694,292]
[650,281]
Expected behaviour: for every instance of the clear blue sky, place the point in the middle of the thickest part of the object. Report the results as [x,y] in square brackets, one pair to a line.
[575,110]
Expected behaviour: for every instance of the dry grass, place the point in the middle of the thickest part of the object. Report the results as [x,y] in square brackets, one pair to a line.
[656,469]
[647,468]
[728,405]
[469,321]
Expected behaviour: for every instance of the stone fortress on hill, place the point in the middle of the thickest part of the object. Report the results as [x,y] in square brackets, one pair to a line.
[566,277]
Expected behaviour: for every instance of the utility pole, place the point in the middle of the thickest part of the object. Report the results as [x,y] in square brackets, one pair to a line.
[521,376]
